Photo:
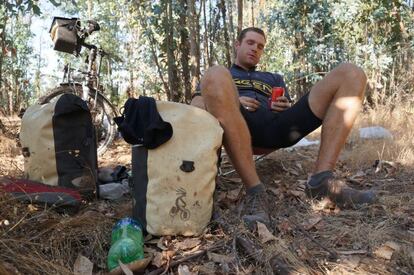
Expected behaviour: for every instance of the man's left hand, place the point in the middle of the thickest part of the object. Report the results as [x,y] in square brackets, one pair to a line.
[280,105]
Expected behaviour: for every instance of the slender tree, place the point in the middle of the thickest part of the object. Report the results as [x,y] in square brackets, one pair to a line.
[225,33]
[194,34]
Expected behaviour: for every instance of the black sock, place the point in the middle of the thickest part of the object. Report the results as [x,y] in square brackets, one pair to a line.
[318,178]
[256,189]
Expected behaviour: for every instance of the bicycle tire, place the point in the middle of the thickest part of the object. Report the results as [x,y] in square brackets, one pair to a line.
[103,106]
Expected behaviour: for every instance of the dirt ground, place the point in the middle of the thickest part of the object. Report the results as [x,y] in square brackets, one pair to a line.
[305,237]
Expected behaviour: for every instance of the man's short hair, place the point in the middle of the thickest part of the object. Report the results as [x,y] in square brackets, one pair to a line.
[242,34]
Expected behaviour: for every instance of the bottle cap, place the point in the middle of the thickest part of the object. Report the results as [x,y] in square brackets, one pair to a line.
[128,221]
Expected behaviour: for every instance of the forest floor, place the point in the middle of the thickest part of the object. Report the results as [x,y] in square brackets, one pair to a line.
[305,237]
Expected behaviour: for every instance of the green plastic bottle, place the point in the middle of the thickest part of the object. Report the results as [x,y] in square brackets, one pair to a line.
[127,243]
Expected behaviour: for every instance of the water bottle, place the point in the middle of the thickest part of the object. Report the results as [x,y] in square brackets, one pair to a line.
[127,243]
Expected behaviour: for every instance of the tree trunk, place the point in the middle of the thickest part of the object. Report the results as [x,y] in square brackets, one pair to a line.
[173,81]
[239,16]
[90,9]
[252,12]
[205,37]
[185,51]
[226,33]
[3,96]
[231,26]
[214,38]
[194,45]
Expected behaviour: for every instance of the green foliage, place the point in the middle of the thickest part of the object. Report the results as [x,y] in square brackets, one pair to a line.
[22,6]
[305,40]
[312,37]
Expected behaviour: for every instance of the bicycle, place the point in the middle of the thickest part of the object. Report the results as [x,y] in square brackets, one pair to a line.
[90,89]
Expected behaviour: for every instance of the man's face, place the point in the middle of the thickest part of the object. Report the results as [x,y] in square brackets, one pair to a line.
[249,51]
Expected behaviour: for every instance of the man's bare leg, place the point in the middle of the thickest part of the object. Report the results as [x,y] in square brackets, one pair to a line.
[220,98]
[337,100]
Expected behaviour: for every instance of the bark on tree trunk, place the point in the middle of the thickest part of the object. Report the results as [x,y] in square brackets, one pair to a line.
[194,45]
[3,96]
[205,37]
[213,33]
[226,33]
[239,16]
[185,51]
[173,81]
[231,26]
[90,9]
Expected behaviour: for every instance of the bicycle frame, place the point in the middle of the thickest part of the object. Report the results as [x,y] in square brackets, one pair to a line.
[91,81]
[89,89]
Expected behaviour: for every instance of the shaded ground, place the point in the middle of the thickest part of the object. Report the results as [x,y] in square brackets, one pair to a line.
[305,237]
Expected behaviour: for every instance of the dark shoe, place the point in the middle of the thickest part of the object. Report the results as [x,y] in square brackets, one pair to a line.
[255,209]
[340,193]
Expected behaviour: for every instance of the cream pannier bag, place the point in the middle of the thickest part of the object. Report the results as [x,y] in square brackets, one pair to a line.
[59,144]
[173,184]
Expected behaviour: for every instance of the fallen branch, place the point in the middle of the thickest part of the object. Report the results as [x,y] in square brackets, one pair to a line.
[184,259]
[332,254]
[277,264]
[135,266]
[251,249]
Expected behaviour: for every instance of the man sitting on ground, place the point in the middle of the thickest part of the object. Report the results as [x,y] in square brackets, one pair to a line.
[247,120]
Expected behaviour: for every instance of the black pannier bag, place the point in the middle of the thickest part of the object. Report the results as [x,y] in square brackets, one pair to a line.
[59,144]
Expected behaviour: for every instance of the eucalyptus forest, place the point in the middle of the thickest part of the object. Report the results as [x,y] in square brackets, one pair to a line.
[162,49]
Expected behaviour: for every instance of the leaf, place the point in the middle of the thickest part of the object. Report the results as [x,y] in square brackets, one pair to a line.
[235,180]
[310,223]
[188,243]
[82,266]
[264,233]
[293,171]
[161,245]
[207,268]
[384,252]
[125,269]
[275,191]
[55,3]
[393,245]
[219,258]
[352,262]
[295,193]
[184,270]
[387,249]
[36,10]
[158,260]
[285,227]
[233,194]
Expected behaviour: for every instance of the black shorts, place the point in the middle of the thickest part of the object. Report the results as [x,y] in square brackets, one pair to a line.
[280,130]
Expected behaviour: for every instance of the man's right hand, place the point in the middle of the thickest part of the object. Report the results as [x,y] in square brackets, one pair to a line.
[250,104]
[280,105]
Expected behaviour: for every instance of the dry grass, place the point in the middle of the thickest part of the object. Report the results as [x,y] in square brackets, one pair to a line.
[398,118]
[40,241]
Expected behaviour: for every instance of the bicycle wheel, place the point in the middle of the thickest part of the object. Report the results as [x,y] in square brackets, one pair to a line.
[101,109]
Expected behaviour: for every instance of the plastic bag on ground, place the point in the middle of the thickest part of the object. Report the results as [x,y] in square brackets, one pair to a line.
[375,132]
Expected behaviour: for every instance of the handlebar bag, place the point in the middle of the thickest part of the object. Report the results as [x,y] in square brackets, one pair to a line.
[173,184]
[59,144]
[64,34]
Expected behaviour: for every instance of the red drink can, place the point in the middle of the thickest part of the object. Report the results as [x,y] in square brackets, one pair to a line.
[276,93]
